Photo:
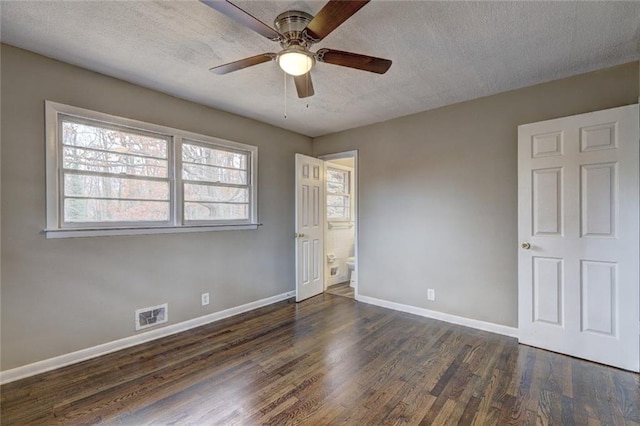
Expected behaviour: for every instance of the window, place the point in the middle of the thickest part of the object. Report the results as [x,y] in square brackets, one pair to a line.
[216,185]
[108,175]
[112,175]
[338,194]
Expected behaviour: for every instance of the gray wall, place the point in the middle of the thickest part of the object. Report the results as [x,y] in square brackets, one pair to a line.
[59,296]
[438,198]
[438,194]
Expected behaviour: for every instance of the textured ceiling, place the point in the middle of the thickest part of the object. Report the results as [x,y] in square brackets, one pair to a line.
[442,52]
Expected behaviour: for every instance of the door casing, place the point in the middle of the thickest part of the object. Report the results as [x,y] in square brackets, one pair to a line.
[335,156]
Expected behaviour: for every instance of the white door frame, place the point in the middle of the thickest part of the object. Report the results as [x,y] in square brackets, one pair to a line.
[336,156]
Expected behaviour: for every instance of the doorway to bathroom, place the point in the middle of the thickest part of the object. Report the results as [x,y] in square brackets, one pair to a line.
[340,228]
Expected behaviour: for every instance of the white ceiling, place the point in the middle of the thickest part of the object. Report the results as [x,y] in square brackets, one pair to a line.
[442,52]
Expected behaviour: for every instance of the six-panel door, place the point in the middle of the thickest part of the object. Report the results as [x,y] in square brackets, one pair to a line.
[578,230]
[309,226]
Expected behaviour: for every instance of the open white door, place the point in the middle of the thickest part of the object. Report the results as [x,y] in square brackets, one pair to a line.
[578,284]
[309,226]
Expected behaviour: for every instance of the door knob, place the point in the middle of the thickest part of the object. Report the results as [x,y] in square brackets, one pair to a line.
[299,235]
[525,246]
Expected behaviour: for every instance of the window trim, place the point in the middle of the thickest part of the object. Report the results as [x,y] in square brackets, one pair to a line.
[56,228]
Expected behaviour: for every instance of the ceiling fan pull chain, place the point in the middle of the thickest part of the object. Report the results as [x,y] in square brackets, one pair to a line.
[285,93]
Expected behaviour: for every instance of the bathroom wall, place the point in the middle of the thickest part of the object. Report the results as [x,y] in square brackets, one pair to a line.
[340,238]
[339,241]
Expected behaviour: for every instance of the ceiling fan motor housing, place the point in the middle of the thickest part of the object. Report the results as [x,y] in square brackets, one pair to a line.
[290,24]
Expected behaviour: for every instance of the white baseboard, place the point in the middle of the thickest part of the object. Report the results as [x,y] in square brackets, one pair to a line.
[453,319]
[116,345]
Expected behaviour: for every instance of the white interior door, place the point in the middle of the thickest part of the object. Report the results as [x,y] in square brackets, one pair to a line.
[309,226]
[578,228]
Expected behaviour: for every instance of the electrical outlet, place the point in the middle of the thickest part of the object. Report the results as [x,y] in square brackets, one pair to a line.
[431,294]
[205,299]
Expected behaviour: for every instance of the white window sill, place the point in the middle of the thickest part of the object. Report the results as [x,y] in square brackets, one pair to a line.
[103,232]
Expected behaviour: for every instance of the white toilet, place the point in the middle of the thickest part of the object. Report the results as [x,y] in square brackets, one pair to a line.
[351,264]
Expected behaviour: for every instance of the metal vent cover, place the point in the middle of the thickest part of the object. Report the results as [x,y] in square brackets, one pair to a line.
[151,316]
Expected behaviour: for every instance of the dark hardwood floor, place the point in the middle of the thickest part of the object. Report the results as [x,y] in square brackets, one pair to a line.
[341,289]
[328,360]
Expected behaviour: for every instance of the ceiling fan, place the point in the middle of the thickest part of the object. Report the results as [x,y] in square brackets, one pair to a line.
[296,32]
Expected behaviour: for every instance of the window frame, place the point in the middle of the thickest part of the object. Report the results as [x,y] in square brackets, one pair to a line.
[349,195]
[179,165]
[56,227]
[62,223]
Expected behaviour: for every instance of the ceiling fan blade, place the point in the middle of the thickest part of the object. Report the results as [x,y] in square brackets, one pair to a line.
[243,63]
[304,86]
[240,16]
[331,16]
[353,60]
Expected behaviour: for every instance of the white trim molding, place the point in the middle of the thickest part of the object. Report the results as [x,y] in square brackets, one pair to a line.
[127,342]
[453,319]
[72,233]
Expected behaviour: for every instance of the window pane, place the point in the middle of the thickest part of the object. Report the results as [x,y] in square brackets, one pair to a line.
[337,176]
[338,207]
[337,181]
[215,211]
[336,188]
[108,162]
[336,201]
[337,213]
[213,174]
[213,157]
[108,187]
[120,141]
[89,210]
[210,193]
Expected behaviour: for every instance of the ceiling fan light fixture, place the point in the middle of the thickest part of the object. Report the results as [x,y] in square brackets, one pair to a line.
[296,61]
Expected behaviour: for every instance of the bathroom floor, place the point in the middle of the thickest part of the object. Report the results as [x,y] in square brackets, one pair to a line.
[341,289]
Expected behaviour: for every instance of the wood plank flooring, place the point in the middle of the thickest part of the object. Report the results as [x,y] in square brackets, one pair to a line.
[328,360]
[341,289]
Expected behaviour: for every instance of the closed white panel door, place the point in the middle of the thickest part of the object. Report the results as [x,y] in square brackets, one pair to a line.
[309,226]
[578,283]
